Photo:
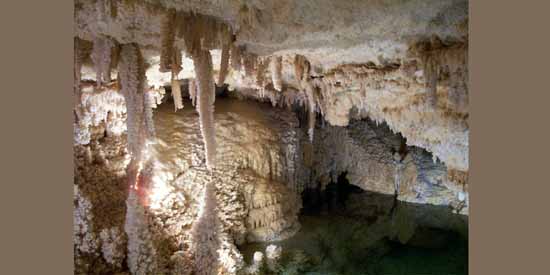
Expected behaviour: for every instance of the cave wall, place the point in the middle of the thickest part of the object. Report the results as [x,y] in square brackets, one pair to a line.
[376,159]
[257,185]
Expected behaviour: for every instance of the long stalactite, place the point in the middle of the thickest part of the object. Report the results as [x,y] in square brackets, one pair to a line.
[224,64]
[101,57]
[276,67]
[205,107]
[168,35]
[141,252]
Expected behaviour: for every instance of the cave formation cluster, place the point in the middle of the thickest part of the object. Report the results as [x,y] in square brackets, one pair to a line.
[376,90]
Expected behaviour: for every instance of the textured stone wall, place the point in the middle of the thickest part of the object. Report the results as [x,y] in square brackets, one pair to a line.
[376,159]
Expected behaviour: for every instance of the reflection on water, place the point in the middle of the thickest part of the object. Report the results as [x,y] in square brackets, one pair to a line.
[349,231]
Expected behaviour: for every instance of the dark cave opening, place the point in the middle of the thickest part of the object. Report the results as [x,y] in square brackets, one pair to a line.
[221,91]
[330,200]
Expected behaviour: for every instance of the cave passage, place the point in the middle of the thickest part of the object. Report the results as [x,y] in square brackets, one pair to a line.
[331,200]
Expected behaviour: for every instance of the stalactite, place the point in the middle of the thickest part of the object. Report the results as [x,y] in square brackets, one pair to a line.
[132,80]
[175,83]
[321,89]
[192,90]
[301,68]
[77,63]
[202,32]
[235,57]
[101,57]
[249,62]
[276,67]
[433,56]
[168,35]
[176,61]
[309,88]
[430,68]
[206,96]
[176,94]
[262,65]
[141,252]
[148,114]
[82,50]
[301,73]
[205,234]
[115,56]
[224,63]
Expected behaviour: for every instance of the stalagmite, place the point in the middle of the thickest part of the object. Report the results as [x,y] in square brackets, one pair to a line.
[141,252]
[224,63]
[206,96]
[276,67]
[205,234]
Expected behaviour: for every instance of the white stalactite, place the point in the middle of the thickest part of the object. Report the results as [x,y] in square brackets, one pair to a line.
[167,35]
[192,90]
[309,88]
[301,73]
[131,83]
[81,52]
[261,67]
[224,64]
[249,63]
[206,97]
[176,85]
[148,105]
[235,58]
[276,67]
[139,108]
[176,94]
[101,57]
[430,69]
